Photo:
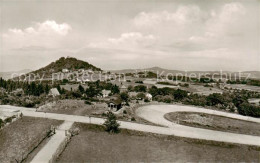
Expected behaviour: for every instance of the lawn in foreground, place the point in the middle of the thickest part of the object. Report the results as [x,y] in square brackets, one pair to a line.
[21,136]
[95,145]
[214,122]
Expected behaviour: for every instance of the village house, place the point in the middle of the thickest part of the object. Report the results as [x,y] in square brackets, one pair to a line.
[105,93]
[115,103]
[54,92]
[65,70]
[148,96]
[123,88]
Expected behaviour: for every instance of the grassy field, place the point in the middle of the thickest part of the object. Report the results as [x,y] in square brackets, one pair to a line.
[75,107]
[243,86]
[78,107]
[215,122]
[95,145]
[21,136]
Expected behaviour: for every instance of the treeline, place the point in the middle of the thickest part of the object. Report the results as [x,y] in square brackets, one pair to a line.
[94,90]
[247,82]
[190,79]
[226,101]
[32,88]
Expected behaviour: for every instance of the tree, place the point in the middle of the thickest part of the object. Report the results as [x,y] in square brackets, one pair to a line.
[180,94]
[115,89]
[111,124]
[46,89]
[130,88]
[153,91]
[249,110]
[124,96]
[81,89]
[140,88]
[214,99]
[140,95]
[92,91]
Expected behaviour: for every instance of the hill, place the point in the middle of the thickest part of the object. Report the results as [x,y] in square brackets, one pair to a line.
[69,63]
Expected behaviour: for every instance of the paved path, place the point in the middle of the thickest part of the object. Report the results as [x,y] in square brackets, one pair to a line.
[47,152]
[155,114]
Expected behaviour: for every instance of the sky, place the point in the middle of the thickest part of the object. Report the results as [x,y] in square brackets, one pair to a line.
[186,35]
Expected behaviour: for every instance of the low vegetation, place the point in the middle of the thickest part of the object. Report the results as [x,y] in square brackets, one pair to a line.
[20,137]
[95,145]
[214,122]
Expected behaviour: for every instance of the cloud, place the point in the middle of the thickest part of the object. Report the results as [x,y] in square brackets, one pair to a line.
[183,15]
[229,20]
[47,34]
[126,40]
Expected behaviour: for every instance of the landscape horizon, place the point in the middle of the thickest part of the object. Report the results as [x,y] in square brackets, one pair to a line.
[129,81]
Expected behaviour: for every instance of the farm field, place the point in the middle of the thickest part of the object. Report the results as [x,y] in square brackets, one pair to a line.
[214,122]
[21,136]
[200,89]
[95,145]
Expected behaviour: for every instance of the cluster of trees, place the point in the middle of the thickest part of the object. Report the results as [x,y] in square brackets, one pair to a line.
[228,100]
[32,88]
[94,90]
[191,79]
[138,88]
[36,89]
[253,82]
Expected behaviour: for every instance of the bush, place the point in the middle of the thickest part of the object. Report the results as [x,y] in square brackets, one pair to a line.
[249,110]
[180,94]
[88,102]
[214,99]
[124,96]
[111,124]
[140,88]
[140,96]
[1,123]
[146,100]
[140,82]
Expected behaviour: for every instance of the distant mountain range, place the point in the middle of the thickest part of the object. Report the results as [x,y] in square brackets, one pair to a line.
[73,64]
[8,75]
[162,71]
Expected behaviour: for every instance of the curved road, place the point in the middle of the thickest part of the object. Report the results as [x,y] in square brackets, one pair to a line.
[155,114]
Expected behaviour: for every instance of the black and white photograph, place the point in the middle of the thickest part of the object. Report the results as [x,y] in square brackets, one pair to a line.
[129,81]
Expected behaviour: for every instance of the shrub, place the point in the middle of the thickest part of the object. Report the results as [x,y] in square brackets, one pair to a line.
[140,88]
[1,123]
[88,102]
[146,100]
[140,82]
[133,119]
[140,95]
[249,110]
[214,99]
[111,124]
[180,94]
[124,96]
